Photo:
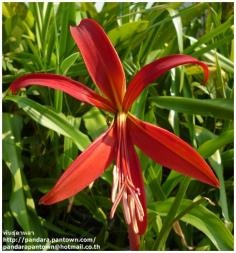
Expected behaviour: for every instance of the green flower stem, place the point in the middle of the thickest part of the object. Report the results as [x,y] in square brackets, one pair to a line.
[170,218]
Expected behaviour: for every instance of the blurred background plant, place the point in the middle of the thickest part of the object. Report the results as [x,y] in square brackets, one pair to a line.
[44,130]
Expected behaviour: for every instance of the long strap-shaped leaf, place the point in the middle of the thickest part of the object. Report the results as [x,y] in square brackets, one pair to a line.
[219,108]
[50,119]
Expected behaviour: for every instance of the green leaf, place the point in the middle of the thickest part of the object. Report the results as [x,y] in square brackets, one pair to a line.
[138,108]
[65,17]
[219,108]
[219,83]
[172,211]
[11,156]
[93,207]
[51,227]
[228,158]
[21,203]
[177,21]
[178,27]
[95,122]
[125,32]
[209,36]
[50,119]
[211,146]
[68,62]
[173,179]
[205,50]
[153,178]
[201,218]
[215,161]
[202,134]
[8,223]
[70,149]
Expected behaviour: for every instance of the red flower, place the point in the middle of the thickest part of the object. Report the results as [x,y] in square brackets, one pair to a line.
[117,143]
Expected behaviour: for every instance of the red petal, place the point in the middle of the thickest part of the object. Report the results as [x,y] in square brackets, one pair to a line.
[170,151]
[137,179]
[85,169]
[71,87]
[101,59]
[152,71]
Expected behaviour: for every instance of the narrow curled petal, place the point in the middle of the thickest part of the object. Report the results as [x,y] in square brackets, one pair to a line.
[101,59]
[170,151]
[85,169]
[137,179]
[62,83]
[152,71]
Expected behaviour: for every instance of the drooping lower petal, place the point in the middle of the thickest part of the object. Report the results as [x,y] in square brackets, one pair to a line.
[137,179]
[85,169]
[134,239]
[62,83]
[152,71]
[170,151]
[101,59]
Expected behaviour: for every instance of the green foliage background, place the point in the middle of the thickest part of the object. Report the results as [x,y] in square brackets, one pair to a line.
[44,130]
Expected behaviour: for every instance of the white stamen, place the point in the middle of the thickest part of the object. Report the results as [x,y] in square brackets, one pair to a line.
[117,201]
[114,184]
[140,217]
[126,208]
[138,206]
[133,216]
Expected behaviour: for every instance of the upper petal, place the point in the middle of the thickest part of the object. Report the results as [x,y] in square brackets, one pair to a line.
[85,169]
[152,71]
[169,150]
[62,83]
[101,59]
